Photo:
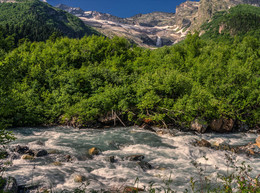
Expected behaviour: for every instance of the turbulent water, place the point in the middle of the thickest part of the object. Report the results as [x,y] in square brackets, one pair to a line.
[172,157]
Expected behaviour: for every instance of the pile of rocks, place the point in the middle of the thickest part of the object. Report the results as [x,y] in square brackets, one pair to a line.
[252,149]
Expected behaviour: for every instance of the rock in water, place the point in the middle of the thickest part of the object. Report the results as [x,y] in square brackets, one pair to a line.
[258,141]
[144,165]
[111,159]
[135,157]
[40,153]
[79,178]
[27,157]
[199,125]
[21,149]
[94,151]
[11,185]
[129,189]
[148,127]
[202,143]
[222,125]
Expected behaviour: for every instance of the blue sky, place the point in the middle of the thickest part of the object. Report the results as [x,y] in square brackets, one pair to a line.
[122,8]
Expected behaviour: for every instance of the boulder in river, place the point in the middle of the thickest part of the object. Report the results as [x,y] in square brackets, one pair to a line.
[27,157]
[258,141]
[94,151]
[202,143]
[199,125]
[79,178]
[135,157]
[10,185]
[57,163]
[21,149]
[40,153]
[222,125]
[111,159]
[148,127]
[129,189]
[144,165]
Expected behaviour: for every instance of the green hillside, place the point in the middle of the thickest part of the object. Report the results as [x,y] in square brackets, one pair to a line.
[36,21]
[239,20]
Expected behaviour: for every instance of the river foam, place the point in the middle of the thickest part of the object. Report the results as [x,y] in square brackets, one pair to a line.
[172,157]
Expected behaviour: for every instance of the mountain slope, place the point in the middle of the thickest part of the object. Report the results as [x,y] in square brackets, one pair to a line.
[36,21]
[239,20]
[157,29]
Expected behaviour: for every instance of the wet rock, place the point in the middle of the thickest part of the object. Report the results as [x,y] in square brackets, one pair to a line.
[202,143]
[10,185]
[257,149]
[199,125]
[148,127]
[111,159]
[162,132]
[30,152]
[14,156]
[57,163]
[129,189]
[21,149]
[53,151]
[94,151]
[28,188]
[224,147]
[144,165]
[79,178]
[251,152]
[68,158]
[27,157]
[258,141]
[135,157]
[40,153]
[222,125]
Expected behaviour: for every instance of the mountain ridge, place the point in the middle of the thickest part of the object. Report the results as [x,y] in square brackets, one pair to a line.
[147,29]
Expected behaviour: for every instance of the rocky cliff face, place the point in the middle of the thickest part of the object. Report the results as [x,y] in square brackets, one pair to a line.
[158,28]
[207,8]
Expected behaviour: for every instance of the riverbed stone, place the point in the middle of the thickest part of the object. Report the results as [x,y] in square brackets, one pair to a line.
[129,189]
[199,125]
[79,178]
[94,151]
[40,153]
[27,157]
[30,152]
[57,163]
[148,128]
[21,149]
[222,125]
[135,157]
[202,143]
[111,159]
[11,185]
[258,141]
[145,165]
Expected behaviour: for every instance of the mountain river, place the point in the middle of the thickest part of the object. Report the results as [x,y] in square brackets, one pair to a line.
[172,157]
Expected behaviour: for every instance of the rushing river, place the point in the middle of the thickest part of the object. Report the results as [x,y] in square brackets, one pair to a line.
[172,157]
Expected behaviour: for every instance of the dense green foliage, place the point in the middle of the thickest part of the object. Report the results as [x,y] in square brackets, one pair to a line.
[37,21]
[79,81]
[240,20]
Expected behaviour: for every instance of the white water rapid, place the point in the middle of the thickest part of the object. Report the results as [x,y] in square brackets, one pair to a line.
[171,157]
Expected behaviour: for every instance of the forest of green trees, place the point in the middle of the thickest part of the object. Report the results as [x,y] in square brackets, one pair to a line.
[37,21]
[78,81]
